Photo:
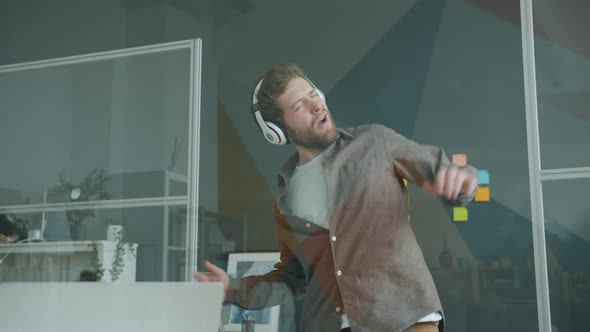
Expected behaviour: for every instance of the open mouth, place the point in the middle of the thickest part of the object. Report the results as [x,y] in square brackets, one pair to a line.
[323,120]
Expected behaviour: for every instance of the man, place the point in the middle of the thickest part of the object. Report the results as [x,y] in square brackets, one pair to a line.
[347,248]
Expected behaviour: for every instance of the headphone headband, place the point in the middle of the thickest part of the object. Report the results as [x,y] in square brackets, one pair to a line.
[256,90]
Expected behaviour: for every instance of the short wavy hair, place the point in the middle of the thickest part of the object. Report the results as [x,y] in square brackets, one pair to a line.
[274,83]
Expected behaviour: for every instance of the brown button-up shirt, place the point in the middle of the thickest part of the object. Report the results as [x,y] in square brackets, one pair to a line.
[368,263]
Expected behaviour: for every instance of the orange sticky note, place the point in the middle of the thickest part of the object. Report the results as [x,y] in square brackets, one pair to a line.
[459,159]
[460,214]
[482,194]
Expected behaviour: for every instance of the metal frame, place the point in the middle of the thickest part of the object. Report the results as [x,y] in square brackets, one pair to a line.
[193,160]
[191,200]
[96,56]
[106,204]
[565,173]
[534,158]
[536,174]
[166,247]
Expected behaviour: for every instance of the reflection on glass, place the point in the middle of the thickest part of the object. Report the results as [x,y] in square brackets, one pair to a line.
[115,245]
[429,78]
[567,234]
[219,235]
[91,188]
[177,265]
[562,65]
[125,117]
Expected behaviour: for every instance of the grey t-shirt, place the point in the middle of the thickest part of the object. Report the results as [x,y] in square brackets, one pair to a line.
[306,196]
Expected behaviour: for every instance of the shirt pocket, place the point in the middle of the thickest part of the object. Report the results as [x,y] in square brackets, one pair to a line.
[360,181]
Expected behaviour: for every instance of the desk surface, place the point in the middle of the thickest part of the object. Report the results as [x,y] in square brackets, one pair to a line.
[99,307]
[55,247]
[63,261]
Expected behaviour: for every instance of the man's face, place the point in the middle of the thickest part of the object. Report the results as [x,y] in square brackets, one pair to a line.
[306,117]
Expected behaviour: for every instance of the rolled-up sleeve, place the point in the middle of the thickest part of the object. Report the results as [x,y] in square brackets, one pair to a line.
[420,163]
[281,285]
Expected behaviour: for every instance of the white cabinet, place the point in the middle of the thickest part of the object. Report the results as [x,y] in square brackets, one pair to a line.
[174,232]
[63,261]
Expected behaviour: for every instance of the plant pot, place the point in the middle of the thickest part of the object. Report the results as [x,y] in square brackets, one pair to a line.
[78,232]
[87,275]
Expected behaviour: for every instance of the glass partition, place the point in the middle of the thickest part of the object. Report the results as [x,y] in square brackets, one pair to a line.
[89,140]
[447,74]
[106,126]
[563,68]
[88,134]
[561,58]
[567,234]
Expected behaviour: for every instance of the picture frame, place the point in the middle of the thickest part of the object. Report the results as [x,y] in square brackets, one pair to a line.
[246,264]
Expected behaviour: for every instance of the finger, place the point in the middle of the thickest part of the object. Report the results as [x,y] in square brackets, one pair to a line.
[439,181]
[201,277]
[214,268]
[470,184]
[450,182]
[459,181]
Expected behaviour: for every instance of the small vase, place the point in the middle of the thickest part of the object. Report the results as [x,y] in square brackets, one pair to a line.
[78,232]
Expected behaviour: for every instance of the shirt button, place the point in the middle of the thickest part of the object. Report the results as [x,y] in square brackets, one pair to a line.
[308,225]
[339,273]
[337,309]
[333,238]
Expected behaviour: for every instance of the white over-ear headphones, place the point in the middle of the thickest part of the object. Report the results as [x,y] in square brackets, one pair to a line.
[272,131]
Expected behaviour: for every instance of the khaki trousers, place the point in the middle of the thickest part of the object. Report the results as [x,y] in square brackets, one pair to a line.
[423,327]
[418,327]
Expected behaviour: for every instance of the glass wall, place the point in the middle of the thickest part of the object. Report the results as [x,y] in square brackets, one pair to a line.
[440,73]
[561,56]
[562,68]
[567,237]
[97,157]
[445,73]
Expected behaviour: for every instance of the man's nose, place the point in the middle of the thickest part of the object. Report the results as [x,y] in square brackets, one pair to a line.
[315,104]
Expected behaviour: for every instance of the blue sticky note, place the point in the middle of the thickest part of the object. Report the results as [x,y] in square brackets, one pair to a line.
[484,177]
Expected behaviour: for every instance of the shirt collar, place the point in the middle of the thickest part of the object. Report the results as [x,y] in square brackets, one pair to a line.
[287,169]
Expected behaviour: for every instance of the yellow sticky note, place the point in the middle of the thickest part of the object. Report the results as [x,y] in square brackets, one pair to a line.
[459,159]
[405,183]
[482,194]
[460,214]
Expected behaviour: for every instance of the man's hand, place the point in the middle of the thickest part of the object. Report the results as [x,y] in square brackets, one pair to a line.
[216,274]
[449,182]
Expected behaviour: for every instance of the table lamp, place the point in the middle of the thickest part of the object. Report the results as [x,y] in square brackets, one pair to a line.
[74,195]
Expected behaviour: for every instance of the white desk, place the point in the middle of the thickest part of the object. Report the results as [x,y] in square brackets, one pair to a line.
[60,261]
[110,307]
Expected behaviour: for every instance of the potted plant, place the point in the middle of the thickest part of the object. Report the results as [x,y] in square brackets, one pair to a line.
[91,188]
[118,233]
[95,270]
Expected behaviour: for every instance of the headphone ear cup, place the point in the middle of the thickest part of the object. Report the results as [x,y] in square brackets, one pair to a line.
[275,134]
[321,94]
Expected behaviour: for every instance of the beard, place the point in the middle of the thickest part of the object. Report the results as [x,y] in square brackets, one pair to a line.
[310,138]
